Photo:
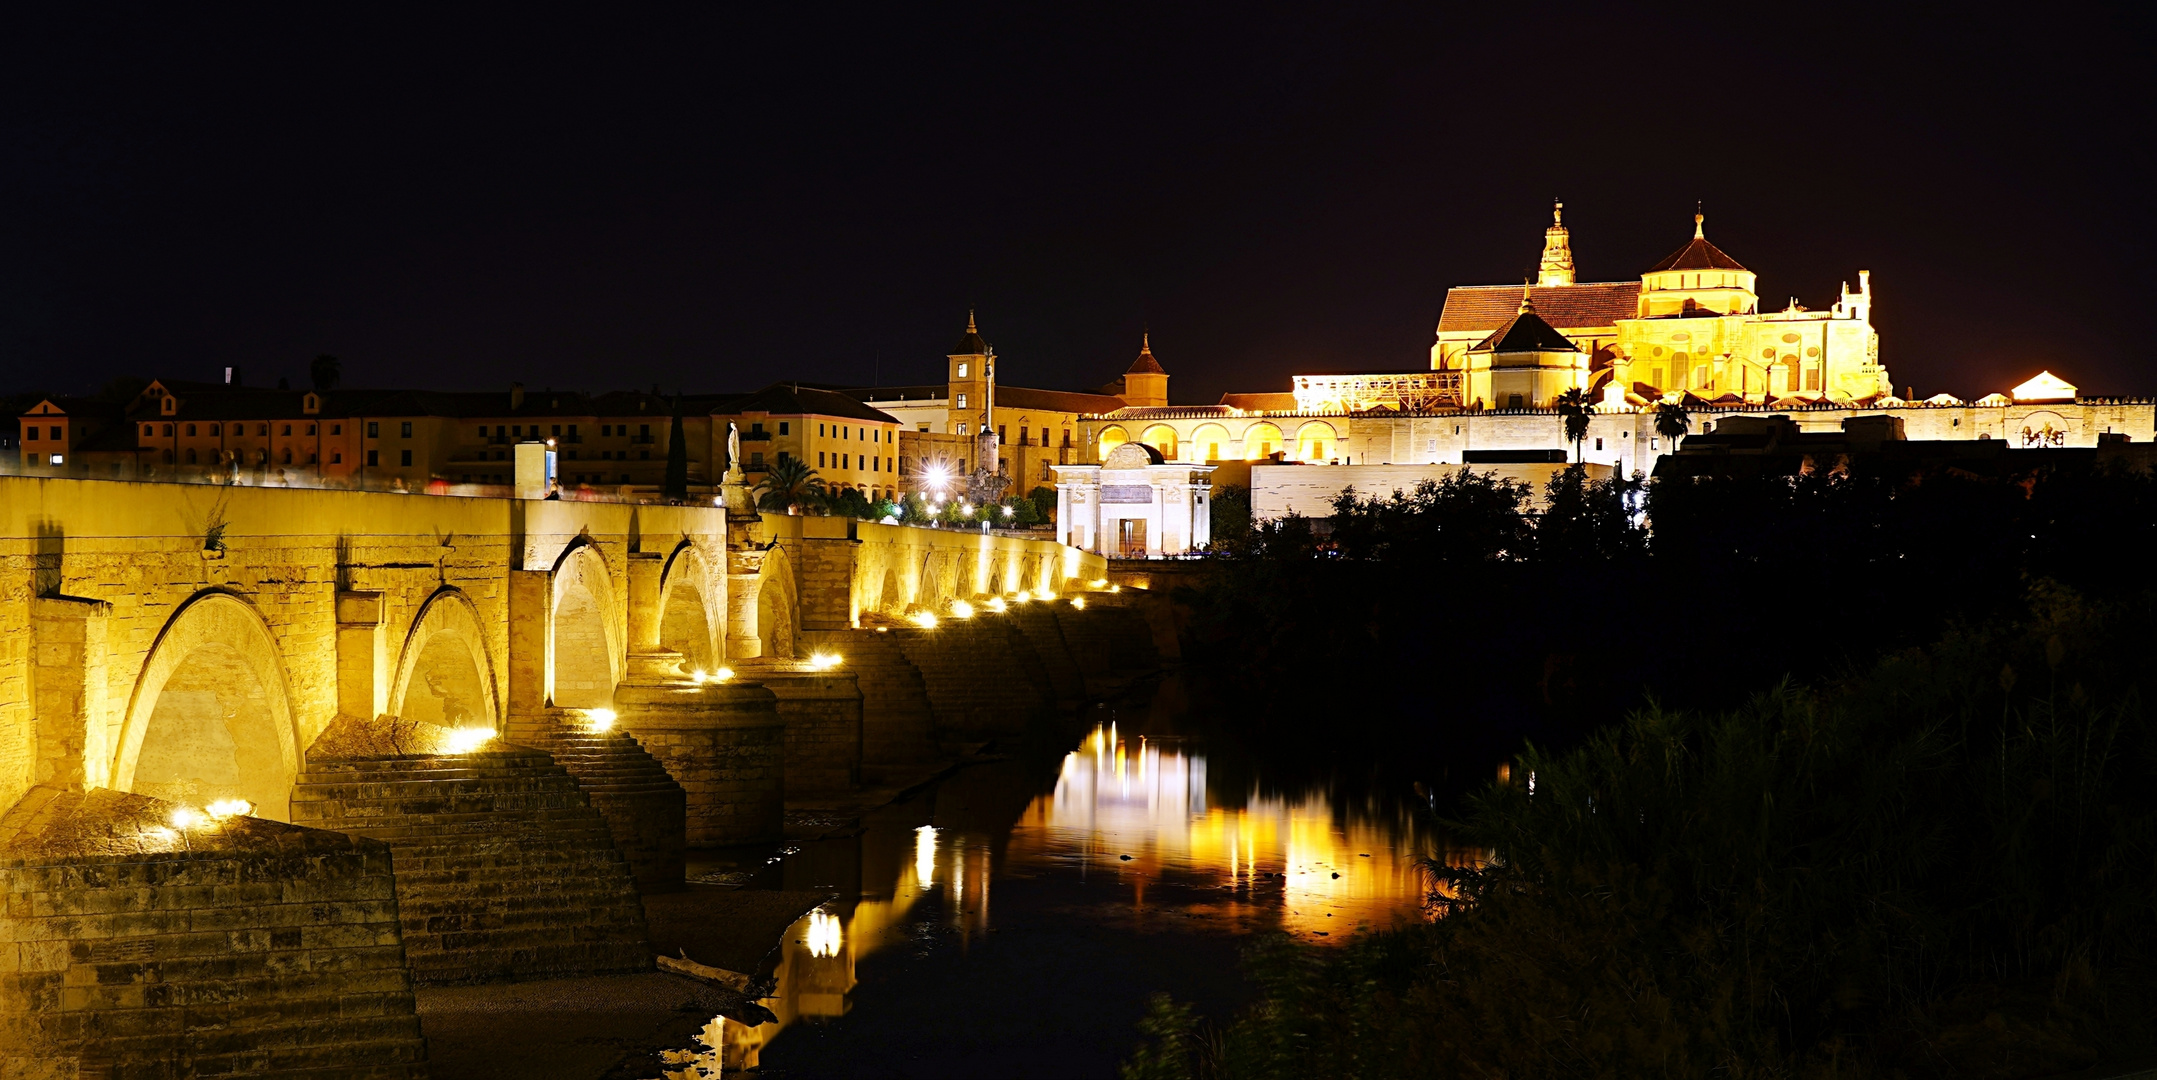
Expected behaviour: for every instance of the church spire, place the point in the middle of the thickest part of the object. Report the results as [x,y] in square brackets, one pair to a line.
[1527,301]
[1557,266]
[1700,220]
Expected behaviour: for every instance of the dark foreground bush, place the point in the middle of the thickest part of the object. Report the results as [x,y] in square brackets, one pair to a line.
[1943,865]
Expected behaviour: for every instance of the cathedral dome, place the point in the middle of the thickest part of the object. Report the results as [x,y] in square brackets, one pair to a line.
[1697,254]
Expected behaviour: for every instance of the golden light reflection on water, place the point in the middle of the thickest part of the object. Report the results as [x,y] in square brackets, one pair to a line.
[1239,861]
[1329,870]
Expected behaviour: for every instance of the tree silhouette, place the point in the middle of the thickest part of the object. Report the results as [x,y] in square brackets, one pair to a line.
[326,372]
[1672,421]
[1574,405]
[792,487]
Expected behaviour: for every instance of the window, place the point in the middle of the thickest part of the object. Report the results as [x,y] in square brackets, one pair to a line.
[843,461]
[1000,433]
[310,429]
[374,457]
[57,459]
[190,429]
[1430,446]
[374,430]
[517,431]
[922,427]
[264,430]
[783,427]
[482,431]
[756,457]
[148,430]
[190,455]
[168,429]
[406,455]
[213,429]
[557,429]
[962,401]
[962,373]
[606,429]
[643,430]
[758,429]
[1044,436]
[820,459]
[962,427]
[572,431]
[845,431]
[29,434]
[288,455]
[287,430]
[1598,444]
[337,457]
[820,432]
[1812,378]
[337,429]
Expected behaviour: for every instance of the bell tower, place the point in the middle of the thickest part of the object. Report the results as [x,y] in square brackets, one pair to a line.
[1557,265]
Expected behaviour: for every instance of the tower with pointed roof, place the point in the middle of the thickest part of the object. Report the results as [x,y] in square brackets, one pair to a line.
[1524,364]
[971,379]
[1145,382]
[1557,266]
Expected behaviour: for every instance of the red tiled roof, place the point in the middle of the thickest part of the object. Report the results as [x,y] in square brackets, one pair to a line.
[1487,307]
[1527,332]
[1022,397]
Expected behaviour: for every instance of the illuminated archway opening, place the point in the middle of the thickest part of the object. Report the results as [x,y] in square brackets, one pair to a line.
[443,674]
[1207,441]
[1260,441]
[1161,437]
[774,622]
[1315,440]
[584,663]
[1112,437]
[210,718]
[685,616]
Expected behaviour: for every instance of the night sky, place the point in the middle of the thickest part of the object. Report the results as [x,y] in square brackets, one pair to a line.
[727,196]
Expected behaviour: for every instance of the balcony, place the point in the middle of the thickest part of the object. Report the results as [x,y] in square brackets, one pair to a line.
[641,440]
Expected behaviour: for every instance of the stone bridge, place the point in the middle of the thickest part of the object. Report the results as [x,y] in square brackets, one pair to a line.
[468,731]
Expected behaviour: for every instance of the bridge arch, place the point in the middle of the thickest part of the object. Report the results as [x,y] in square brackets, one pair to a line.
[211,715]
[775,606]
[444,675]
[691,609]
[929,591]
[584,652]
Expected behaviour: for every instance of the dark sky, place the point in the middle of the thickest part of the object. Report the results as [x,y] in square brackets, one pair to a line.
[735,194]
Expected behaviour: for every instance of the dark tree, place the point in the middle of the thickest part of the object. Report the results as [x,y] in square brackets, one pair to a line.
[792,487]
[326,372]
[1672,421]
[1574,405]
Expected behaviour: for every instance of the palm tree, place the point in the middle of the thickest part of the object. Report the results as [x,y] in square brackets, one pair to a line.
[792,487]
[1672,421]
[1575,405]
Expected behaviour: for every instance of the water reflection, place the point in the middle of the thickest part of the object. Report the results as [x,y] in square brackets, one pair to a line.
[1180,853]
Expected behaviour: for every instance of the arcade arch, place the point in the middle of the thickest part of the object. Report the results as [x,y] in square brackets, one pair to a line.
[444,676]
[1260,440]
[1161,437]
[1314,439]
[1207,441]
[211,717]
[1112,437]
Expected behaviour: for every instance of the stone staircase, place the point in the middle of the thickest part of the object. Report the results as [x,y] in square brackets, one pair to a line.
[238,948]
[503,867]
[645,809]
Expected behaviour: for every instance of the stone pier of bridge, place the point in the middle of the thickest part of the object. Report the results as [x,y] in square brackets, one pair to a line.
[467,734]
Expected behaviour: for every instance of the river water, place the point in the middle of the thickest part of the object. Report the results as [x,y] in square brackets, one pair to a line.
[1012,919]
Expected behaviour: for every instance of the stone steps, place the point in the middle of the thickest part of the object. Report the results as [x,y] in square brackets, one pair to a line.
[645,810]
[251,948]
[504,867]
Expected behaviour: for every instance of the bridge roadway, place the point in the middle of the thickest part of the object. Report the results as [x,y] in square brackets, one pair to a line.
[340,660]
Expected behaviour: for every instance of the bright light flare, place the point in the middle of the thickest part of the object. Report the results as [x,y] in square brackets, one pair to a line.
[923,619]
[925,856]
[723,674]
[465,740]
[1008,511]
[1079,602]
[997,605]
[960,609]
[602,720]
[186,817]
[1099,583]
[825,935]
[936,476]
[227,808]
[825,661]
